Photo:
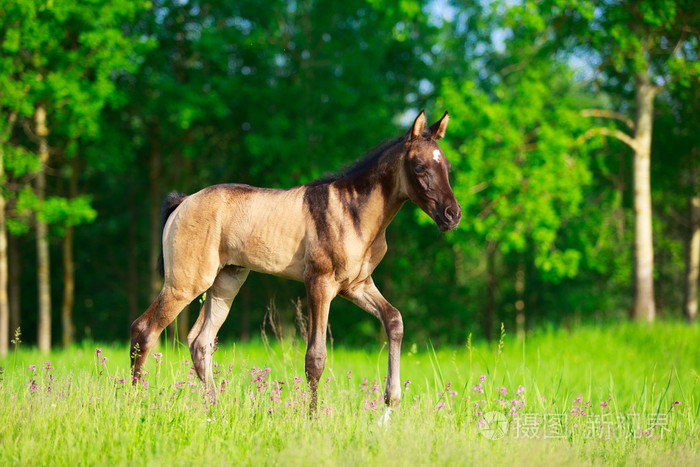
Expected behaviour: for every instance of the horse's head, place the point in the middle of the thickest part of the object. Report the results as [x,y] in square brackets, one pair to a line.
[425,173]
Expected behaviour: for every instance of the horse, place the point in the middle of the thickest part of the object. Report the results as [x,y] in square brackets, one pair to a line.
[329,233]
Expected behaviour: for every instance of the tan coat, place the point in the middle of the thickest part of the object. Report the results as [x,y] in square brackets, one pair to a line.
[330,234]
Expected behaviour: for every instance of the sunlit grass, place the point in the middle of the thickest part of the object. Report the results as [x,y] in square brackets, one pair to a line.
[623,394]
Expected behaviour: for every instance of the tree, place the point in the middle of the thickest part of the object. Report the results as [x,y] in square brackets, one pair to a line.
[634,44]
[676,184]
[690,304]
[42,235]
[4,302]
[62,55]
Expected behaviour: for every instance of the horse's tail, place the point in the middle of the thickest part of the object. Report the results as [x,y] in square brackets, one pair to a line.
[170,203]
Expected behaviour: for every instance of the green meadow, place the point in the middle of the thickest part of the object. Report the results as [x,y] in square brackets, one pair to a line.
[620,394]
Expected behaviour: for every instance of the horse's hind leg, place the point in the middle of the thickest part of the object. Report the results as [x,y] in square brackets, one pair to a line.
[320,291]
[146,329]
[213,314]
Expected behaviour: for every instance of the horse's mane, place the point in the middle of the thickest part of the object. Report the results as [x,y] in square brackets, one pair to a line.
[370,159]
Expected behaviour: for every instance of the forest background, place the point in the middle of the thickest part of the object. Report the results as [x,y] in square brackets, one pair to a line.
[573,141]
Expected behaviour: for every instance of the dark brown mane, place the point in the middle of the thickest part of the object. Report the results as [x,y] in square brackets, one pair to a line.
[356,182]
[371,159]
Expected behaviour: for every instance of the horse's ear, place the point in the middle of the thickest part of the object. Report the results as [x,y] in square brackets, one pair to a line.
[418,126]
[437,130]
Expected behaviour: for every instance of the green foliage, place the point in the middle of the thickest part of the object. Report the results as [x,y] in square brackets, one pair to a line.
[626,37]
[55,210]
[68,212]
[64,55]
[518,171]
[19,161]
[25,204]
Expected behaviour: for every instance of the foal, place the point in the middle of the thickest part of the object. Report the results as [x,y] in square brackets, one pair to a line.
[330,234]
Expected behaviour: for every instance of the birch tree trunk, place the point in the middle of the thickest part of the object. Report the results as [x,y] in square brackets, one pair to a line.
[42,238]
[690,305]
[4,297]
[644,308]
[67,325]
[15,266]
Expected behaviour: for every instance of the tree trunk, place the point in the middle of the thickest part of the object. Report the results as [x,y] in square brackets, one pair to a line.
[4,299]
[154,193]
[690,305]
[42,238]
[14,279]
[644,308]
[68,327]
[244,314]
[182,171]
[183,321]
[491,283]
[132,266]
[520,300]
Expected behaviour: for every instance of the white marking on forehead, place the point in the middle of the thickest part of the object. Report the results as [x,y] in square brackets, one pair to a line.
[436,155]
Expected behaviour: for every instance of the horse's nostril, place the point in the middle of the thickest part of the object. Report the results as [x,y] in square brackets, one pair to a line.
[448,214]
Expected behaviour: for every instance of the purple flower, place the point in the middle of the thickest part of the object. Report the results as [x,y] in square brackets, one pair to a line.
[98,351]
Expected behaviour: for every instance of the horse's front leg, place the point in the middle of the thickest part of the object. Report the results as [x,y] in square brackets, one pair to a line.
[367,296]
[320,291]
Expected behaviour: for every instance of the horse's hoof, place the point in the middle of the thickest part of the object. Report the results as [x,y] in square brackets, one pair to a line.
[385,418]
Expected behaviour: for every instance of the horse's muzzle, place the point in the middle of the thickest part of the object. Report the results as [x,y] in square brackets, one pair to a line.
[449,217]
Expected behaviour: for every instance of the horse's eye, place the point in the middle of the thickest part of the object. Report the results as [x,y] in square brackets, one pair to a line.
[419,169]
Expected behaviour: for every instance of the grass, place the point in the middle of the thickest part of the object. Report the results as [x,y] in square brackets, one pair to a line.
[622,394]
